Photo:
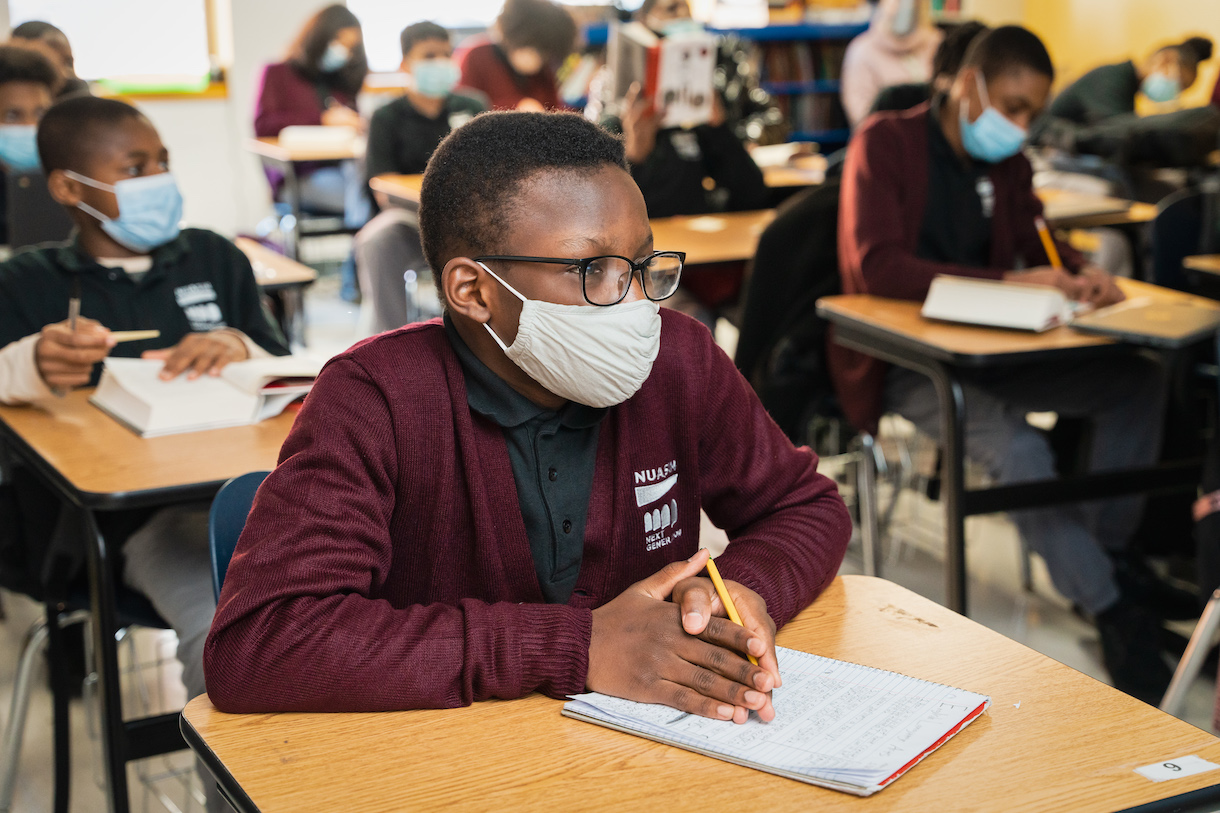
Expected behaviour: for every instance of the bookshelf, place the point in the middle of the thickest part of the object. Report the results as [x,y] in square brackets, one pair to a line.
[799,66]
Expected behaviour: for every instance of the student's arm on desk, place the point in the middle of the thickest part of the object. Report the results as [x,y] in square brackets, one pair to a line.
[872,240]
[787,525]
[20,382]
[296,628]
[55,357]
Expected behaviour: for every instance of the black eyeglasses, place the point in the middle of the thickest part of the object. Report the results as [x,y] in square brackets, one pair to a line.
[606,280]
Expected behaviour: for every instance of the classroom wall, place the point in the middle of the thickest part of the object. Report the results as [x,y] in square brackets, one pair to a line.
[1082,34]
[223,185]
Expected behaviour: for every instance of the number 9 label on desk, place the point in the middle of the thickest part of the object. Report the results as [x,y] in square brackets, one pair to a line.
[1176,768]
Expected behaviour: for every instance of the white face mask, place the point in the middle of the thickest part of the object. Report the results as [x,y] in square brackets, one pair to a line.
[597,356]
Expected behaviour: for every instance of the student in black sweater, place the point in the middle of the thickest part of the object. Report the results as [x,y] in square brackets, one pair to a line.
[28,82]
[402,136]
[106,164]
[1110,90]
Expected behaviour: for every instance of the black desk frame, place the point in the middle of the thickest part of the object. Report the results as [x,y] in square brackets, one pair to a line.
[122,741]
[944,367]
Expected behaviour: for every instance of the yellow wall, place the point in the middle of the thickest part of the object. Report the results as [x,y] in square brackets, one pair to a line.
[1082,34]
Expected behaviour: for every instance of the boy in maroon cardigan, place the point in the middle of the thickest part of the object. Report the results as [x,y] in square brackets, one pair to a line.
[944,189]
[507,501]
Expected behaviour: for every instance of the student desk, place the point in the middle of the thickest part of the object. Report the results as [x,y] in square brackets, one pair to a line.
[285,160]
[286,280]
[402,190]
[1076,210]
[1053,739]
[893,331]
[95,464]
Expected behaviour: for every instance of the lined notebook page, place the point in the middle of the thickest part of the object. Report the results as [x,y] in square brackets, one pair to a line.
[835,723]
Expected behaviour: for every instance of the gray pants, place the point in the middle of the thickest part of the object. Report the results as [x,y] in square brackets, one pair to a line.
[168,561]
[1124,399]
[386,249]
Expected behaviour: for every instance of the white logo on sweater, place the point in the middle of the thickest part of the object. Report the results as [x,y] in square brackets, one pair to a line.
[660,522]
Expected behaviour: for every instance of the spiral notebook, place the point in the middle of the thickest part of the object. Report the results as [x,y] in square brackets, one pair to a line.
[838,725]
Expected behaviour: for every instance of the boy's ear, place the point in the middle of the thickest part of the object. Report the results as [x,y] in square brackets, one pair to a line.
[462,286]
[64,190]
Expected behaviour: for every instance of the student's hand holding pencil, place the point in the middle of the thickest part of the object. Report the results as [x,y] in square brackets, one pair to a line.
[65,357]
[1100,288]
[639,650]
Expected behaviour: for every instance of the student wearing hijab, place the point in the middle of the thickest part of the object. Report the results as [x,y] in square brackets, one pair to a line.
[897,48]
[515,64]
[1110,90]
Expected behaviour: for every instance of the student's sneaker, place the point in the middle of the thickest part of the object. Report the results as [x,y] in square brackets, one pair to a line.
[1130,647]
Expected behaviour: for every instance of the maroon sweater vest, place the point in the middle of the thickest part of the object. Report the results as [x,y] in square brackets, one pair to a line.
[385,563]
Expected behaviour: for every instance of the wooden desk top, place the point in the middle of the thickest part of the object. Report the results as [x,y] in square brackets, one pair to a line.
[725,237]
[1075,210]
[811,173]
[402,188]
[270,148]
[1054,739]
[901,319]
[104,461]
[273,269]
[1207,263]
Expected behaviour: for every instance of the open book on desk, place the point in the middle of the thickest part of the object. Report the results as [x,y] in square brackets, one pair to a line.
[839,725]
[132,392]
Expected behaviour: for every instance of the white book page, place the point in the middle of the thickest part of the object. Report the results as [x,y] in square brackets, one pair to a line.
[251,376]
[833,720]
[179,403]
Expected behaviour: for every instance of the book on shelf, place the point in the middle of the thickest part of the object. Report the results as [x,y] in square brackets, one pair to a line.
[131,391]
[839,725]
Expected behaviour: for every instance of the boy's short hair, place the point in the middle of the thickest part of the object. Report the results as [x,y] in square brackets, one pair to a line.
[19,64]
[475,175]
[1008,48]
[421,32]
[538,24]
[952,49]
[38,30]
[69,128]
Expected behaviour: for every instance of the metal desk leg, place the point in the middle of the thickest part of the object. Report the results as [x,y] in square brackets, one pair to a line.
[292,231]
[866,497]
[953,481]
[102,596]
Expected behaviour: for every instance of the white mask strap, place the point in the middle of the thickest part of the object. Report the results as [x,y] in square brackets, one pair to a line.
[983,97]
[87,181]
[513,290]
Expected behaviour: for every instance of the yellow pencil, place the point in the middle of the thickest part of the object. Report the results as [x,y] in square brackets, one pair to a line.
[1048,243]
[134,335]
[727,601]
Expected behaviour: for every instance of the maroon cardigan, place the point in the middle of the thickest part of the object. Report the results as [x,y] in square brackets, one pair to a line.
[286,98]
[881,212]
[385,563]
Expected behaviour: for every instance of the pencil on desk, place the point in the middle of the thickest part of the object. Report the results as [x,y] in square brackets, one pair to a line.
[727,601]
[1048,243]
[134,335]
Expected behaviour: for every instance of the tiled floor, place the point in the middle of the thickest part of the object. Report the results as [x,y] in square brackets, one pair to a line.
[912,558]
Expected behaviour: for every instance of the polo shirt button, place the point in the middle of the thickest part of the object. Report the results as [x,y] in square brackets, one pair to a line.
[567,526]
[113,276]
[552,475]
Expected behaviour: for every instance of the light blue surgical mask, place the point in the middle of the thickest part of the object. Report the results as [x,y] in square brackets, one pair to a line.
[334,57]
[19,146]
[684,25]
[150,210]
[1161,88]
[992,137]
[435,77]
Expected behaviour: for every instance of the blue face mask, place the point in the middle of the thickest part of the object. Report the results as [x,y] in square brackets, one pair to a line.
[435,77]
[334,57]
[684,25]
[1160,88]
[19,146]
[992,137]
[150,209]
